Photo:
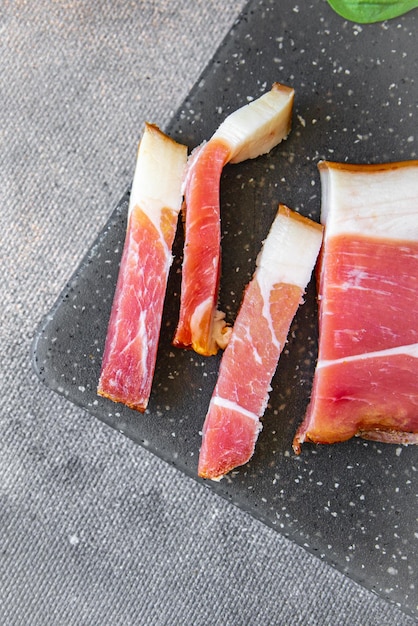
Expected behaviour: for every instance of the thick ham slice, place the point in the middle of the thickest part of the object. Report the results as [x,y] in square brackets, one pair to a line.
[366,379]
[201,260]
[270,301]
[134,327]
[245,134]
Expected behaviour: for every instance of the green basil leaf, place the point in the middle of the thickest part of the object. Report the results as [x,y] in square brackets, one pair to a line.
[365,11]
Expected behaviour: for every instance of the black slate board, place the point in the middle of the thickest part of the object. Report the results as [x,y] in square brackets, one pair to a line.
[352,504]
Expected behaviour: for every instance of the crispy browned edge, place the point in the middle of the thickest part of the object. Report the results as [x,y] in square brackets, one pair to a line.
[369,167]
[285,88]
[284,210]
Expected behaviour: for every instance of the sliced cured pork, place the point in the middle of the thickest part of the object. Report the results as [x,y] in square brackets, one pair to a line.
[271,299]
[366,378]
[134,327]
[245,134]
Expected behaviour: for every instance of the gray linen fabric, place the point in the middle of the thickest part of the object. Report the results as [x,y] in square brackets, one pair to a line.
[94,529]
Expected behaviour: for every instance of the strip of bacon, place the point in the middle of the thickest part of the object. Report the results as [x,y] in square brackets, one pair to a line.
[132,338]
[245,134]
[271,299]
[366,377]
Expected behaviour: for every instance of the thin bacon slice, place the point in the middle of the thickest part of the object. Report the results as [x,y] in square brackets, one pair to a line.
[270,301]
[132,338]
[245,134]
[366,377]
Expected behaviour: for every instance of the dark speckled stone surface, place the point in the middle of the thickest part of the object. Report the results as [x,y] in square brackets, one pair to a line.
[352,504]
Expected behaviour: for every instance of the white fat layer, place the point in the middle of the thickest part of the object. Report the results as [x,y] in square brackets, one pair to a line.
[288,256]
[233,406]
[409,350]
[158,177]
[289,253]
[221,333]
[257,127]
[370,202]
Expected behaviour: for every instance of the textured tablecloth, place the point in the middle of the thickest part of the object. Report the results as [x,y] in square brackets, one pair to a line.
[94,529]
